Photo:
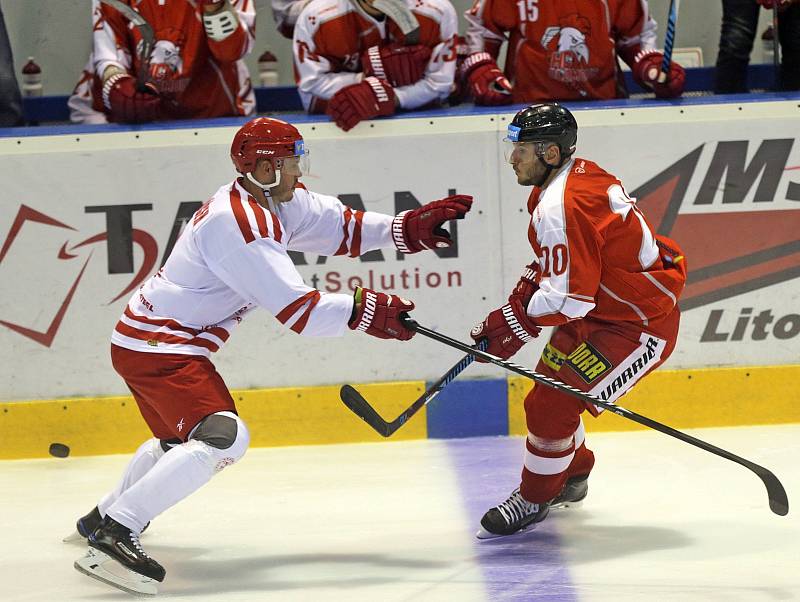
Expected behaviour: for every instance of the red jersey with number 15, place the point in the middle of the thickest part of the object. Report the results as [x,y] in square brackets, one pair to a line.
[597,254]
[562,49]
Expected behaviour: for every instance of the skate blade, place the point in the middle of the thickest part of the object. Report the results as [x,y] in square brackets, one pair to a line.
[73,537]
[484,535]
[102,567]
[577,504]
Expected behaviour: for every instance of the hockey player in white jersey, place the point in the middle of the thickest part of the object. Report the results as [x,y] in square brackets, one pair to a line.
[232,257]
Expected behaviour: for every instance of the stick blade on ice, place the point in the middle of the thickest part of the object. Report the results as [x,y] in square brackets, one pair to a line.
[359,406]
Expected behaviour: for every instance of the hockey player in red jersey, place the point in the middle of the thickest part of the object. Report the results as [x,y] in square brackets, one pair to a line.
[562,50]
[195,68]
[232,257]
[607,283]
[360,59]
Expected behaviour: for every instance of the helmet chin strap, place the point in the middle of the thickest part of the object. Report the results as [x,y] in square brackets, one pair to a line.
[548,168]
[266,187]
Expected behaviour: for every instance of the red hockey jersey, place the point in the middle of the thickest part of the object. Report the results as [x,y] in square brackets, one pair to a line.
[597,255]
[196,76]
[562,49]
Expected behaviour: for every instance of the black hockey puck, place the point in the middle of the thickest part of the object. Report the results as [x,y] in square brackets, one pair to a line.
[59,450]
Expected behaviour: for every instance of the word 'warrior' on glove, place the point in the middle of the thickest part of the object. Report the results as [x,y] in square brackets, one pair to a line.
[526,285]
[421,228]
[379,314]
[647,70]
[399,65]
[365,100]
[507,329]
[487,83]
[126,104]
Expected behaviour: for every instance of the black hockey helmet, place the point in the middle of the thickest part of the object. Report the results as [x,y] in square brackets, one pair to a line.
[546,122]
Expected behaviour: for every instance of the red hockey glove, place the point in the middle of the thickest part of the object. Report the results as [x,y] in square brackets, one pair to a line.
[526,285]
[126,104]
[368,99]
[486,82]
[421,228]
[507,329]
[378,314]
[647,69]
[399,65]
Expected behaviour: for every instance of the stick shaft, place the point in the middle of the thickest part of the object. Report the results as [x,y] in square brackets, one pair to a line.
[778,501]
[669,39]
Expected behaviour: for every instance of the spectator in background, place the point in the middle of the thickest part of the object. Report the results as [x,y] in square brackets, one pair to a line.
[562,50]
[195,69]
[10,98]
[285,13]
[367,58]
[739,24]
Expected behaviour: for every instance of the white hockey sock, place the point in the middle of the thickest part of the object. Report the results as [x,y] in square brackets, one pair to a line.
[183,470]
[143,460]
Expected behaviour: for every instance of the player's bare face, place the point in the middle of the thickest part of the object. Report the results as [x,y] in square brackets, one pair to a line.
[290,175]
[526,166]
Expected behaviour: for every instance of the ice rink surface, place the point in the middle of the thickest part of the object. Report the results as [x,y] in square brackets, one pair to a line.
[396,521]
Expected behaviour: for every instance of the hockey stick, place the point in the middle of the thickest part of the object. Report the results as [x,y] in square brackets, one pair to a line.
[398,11]
[669,40]
[361,407]
[147,43]
[776,53]
[778,502]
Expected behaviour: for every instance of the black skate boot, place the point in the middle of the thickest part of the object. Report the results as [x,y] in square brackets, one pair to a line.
[87,524]
[113,542]
[511,516]
[573,492]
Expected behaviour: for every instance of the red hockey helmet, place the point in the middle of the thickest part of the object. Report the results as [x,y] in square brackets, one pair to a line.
[265,138]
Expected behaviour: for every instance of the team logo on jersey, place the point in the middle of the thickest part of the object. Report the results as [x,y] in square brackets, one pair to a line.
[588,362]
[166,63]
[568,50]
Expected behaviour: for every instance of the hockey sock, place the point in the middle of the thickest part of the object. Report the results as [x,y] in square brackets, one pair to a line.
[183,470]
[143,460]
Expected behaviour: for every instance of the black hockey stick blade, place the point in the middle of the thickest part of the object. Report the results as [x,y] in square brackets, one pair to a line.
[778,500]
[361,408]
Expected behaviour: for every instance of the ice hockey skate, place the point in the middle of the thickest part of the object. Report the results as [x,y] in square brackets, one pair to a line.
[86,526]
[116,557]
[514,515]
[573,493]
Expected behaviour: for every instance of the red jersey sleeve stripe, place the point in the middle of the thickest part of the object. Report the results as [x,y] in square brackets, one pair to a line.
[261,218]
[355,246]
[293,307]
[348,213]
[303,320]
[241,216]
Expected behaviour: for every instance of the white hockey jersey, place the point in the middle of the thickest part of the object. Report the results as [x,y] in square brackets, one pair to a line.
[232,256]
[331,35]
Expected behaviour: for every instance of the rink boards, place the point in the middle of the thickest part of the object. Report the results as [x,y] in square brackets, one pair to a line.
[721,178]
[467,408]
